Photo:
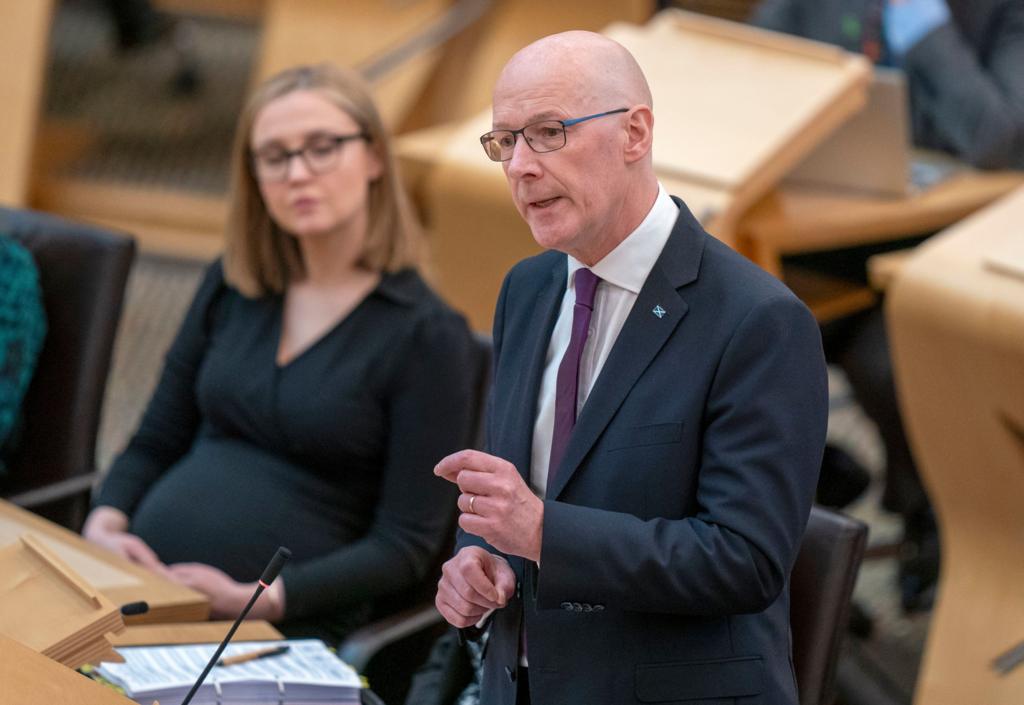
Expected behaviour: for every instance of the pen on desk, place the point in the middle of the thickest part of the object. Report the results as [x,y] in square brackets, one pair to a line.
[253,655]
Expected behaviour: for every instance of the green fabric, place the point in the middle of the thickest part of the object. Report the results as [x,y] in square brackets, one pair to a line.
[22,329]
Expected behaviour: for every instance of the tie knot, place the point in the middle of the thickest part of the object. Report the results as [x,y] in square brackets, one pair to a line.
[586,285]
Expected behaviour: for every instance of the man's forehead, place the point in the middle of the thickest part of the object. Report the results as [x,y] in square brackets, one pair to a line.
[523,99]
[514,119]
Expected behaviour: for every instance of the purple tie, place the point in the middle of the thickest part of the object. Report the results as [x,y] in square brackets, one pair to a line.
[567,385]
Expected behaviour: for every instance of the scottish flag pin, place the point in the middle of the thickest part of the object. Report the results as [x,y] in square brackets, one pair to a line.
[659,311]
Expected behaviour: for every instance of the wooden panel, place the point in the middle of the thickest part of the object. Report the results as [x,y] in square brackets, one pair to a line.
[24,37]
[194,633]
[174,223]
[349,34]
[805,218]
[736,10]
[28,678]
[957,331]
[883,269]
[168,602]
[740,106]
[829,298]
[48,607]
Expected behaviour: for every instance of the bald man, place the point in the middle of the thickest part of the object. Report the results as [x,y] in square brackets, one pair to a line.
[655,428]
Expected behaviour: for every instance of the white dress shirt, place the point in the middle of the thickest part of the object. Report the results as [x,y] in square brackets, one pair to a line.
[623,272]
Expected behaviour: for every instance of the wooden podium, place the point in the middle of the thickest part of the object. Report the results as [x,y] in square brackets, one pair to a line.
[956,321]
[28,678]
[117,579]
[722,140]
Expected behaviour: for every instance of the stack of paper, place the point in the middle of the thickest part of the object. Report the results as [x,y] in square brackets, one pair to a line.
[308,673]
[51,609]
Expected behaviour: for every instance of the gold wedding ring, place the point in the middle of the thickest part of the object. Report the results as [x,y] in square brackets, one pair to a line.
[472,498]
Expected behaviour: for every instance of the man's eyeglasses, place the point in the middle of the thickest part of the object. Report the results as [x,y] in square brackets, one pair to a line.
[319,154]
[543,136]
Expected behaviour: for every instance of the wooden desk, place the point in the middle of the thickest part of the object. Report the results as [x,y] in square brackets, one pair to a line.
[194,633]
[118,579]
[794,219]
[956,323]
[28,678]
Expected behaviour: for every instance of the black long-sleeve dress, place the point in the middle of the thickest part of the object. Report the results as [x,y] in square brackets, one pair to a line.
[330,455]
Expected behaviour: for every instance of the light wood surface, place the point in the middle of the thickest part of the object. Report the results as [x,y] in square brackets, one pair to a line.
[351,33]
[48,607]
[829,298]
[29,678]
[168,602]
[174,223]
[721,127]
[956,322]
[883,269]
[797,219]
[194,633]
[24,38]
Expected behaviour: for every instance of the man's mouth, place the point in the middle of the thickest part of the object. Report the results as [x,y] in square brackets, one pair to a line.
[544,203]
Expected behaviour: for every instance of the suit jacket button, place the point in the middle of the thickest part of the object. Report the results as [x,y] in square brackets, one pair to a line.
[567,606]
[577,607]
[519,589]
[587,607]
[511,673]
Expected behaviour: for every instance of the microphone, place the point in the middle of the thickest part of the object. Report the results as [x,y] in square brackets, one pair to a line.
[269,574]
[134,608]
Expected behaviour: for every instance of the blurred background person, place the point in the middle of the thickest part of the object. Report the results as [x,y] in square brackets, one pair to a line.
[962,59]
[137,25]
[314,383]
[22,329]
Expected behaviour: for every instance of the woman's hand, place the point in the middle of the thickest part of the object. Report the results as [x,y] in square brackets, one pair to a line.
[107,527]
[228,597]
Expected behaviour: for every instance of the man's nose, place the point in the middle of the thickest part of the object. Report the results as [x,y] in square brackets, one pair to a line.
[523,161]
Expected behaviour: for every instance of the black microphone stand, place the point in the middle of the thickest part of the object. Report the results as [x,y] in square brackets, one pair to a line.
[273,568]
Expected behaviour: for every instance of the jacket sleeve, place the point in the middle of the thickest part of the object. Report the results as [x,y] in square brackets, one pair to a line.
[763,434]
[171,419]
[778,15]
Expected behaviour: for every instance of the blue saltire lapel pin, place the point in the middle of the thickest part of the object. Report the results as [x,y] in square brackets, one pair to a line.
[659,311]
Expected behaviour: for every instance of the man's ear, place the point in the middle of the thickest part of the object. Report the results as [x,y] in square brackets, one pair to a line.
[639,133]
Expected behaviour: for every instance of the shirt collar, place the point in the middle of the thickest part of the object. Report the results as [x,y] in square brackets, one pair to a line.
[403,287]
[629,264]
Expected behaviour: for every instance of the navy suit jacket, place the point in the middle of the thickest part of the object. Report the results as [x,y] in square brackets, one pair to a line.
[674,519]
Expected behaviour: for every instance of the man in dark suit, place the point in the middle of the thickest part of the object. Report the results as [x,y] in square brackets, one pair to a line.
[656,424]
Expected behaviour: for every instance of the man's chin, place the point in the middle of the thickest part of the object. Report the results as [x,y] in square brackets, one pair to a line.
[550,238]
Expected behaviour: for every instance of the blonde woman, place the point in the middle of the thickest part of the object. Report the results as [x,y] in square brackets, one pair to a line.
[314,384]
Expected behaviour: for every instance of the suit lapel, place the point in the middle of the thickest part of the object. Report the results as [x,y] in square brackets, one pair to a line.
[545,313]
[654,317]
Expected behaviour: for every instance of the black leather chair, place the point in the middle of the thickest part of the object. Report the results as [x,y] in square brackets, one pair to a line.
[83,271]
[820,588]
[398,639]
